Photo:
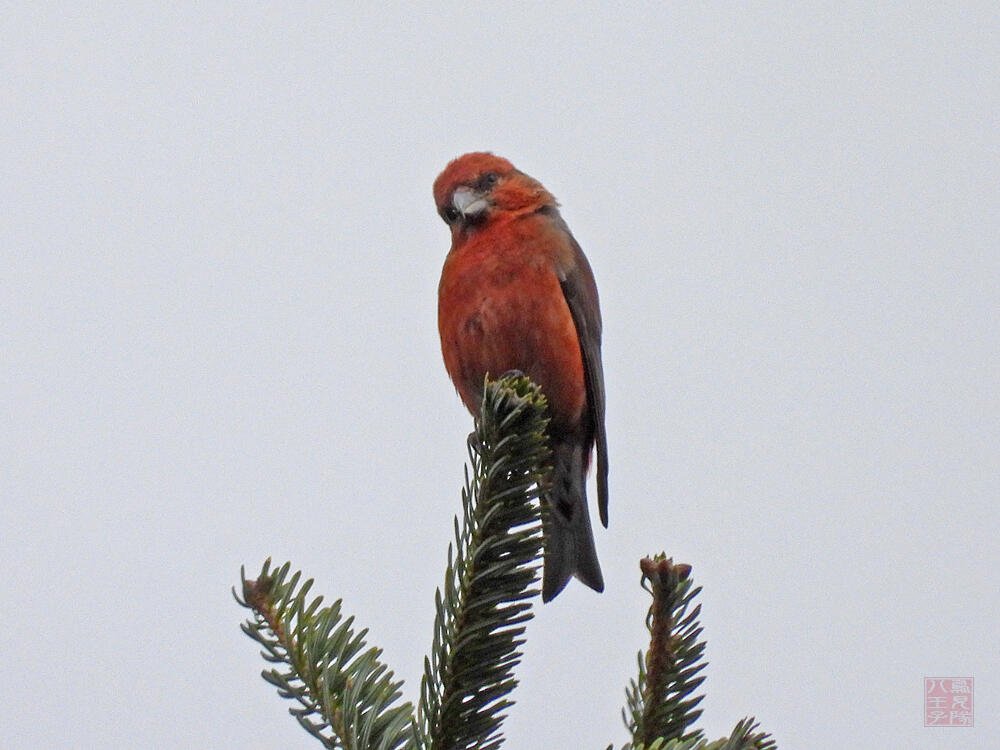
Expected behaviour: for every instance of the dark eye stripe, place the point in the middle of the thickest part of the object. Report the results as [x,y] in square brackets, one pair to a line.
[487,181]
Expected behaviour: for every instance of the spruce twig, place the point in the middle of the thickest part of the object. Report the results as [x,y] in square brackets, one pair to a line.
[745,737]
[482,611]
[659,701]
[661,708]
[345,693]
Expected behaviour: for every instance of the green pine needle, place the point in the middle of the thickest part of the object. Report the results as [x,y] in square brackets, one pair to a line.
[660,703]
[661,707]
[745,737]
[345,693]
[483,608]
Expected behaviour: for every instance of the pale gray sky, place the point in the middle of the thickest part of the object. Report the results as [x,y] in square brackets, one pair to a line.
[218,326]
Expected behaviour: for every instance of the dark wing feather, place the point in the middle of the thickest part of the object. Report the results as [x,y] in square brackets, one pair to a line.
[580,290]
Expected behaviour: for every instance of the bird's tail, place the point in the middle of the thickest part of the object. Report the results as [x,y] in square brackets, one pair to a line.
[569,540]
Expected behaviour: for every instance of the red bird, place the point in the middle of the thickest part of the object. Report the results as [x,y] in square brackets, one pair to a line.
[517,293]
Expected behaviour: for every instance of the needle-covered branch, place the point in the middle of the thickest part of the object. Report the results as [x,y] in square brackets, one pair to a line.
[346,694]
[661,707]
[660,702]
[484,606]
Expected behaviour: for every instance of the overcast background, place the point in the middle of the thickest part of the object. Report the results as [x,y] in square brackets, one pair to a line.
[218,343]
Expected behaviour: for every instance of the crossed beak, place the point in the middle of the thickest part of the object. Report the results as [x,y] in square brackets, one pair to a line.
[469,202]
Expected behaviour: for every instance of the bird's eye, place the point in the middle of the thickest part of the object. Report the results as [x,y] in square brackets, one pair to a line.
[488,180]
[450,214]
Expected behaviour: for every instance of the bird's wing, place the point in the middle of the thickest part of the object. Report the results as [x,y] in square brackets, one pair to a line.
[580,290]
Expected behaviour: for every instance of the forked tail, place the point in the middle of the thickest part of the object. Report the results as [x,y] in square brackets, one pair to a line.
[569,540]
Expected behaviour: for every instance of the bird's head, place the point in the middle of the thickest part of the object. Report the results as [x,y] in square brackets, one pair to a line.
[476,188]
